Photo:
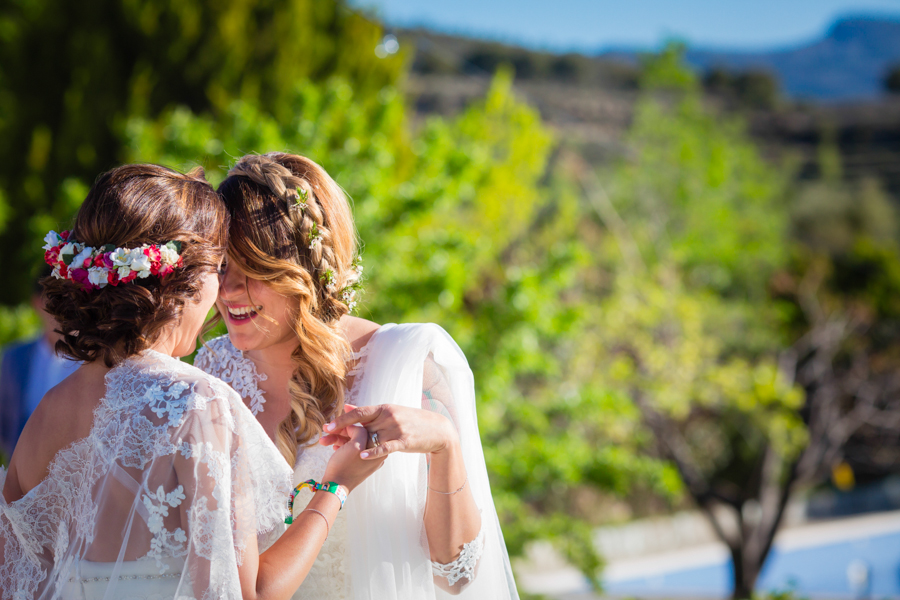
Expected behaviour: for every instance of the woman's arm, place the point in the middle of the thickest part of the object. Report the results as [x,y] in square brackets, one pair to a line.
[452,518]
[280,570]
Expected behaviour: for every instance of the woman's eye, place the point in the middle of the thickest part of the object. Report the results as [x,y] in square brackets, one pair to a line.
[223,267]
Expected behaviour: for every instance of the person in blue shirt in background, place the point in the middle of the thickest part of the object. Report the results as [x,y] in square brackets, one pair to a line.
[28,370]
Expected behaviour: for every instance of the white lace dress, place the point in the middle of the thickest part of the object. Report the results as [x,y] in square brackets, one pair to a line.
[377,548]
[159,501]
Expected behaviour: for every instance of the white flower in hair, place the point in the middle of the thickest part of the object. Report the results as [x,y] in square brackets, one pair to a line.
[123,272]
[140,263]
[135,254]
[315,238]
[98,276]
[168,255]
[51,240]
[69,248]
[121,257]
[86,254]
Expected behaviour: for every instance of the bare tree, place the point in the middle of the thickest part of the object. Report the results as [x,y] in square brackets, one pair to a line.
[843,396]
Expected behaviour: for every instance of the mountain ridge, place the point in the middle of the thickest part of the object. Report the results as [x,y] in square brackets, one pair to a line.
[848,63]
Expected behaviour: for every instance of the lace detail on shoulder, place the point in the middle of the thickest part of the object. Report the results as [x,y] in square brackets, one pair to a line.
[221,359]
[464,566]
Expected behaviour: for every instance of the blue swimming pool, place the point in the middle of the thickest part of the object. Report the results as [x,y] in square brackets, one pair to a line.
[813,571]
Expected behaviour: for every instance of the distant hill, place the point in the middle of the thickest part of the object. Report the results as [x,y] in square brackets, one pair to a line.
[850,63]
[589,100]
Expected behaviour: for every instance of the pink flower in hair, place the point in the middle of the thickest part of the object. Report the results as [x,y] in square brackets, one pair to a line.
[152,253]
[51,256]
[81,276]
[128,278]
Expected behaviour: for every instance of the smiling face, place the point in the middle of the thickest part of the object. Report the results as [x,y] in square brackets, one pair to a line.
[256,316]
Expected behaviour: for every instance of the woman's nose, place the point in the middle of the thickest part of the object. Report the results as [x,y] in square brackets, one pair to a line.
[232,283]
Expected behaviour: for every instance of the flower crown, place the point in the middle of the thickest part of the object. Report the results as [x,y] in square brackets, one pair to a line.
[95,268]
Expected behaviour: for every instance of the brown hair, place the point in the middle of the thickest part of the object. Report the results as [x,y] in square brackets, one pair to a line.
[279,203]
[127,207]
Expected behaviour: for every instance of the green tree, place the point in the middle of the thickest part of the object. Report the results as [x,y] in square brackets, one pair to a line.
[746,320]
[72,74]
[686,327]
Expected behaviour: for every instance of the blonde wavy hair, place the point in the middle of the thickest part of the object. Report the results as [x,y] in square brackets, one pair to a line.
[279,205]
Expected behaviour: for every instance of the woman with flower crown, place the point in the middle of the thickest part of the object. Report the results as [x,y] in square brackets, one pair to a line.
[140,476]
[424,526]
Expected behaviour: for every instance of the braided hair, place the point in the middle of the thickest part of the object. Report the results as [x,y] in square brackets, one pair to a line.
[292,228]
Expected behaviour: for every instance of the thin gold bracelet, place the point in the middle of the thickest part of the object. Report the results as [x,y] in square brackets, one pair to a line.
[321,514]
[451,493]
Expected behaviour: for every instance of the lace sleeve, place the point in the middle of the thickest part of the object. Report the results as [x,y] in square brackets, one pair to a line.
[20,569]
[230,490]
[465,565]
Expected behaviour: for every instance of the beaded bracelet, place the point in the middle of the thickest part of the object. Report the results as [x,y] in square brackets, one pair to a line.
[315,486]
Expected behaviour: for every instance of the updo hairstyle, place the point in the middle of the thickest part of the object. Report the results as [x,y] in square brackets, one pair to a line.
[291,227]
[127,207]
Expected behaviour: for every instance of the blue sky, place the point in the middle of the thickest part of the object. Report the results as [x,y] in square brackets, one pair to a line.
[589,25]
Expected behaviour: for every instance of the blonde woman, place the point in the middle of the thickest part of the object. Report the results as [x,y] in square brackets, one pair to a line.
[423,526]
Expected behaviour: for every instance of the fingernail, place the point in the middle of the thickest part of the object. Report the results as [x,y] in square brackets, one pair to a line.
[365,455]
[329,426]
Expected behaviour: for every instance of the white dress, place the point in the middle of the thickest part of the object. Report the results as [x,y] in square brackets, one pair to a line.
[158,501]
[377,548]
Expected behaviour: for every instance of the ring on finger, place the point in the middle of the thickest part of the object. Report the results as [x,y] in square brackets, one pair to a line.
[374,438]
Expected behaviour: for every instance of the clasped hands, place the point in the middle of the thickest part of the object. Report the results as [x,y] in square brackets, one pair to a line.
[399,429]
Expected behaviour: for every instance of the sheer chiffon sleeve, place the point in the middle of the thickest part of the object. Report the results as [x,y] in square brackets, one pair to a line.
[419,365]
[437,396]
[160,500]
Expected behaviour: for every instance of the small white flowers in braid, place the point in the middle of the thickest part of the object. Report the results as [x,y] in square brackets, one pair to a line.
[330,283]
[314,238]
[348,293]
[300,201]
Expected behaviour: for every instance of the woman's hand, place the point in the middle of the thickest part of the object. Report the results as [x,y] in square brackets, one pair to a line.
[399,429]
[345,467]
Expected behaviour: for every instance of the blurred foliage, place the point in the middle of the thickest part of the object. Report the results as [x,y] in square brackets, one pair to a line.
[72,74]
[749,89]
[18,323]
[435,56]
[685,326]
